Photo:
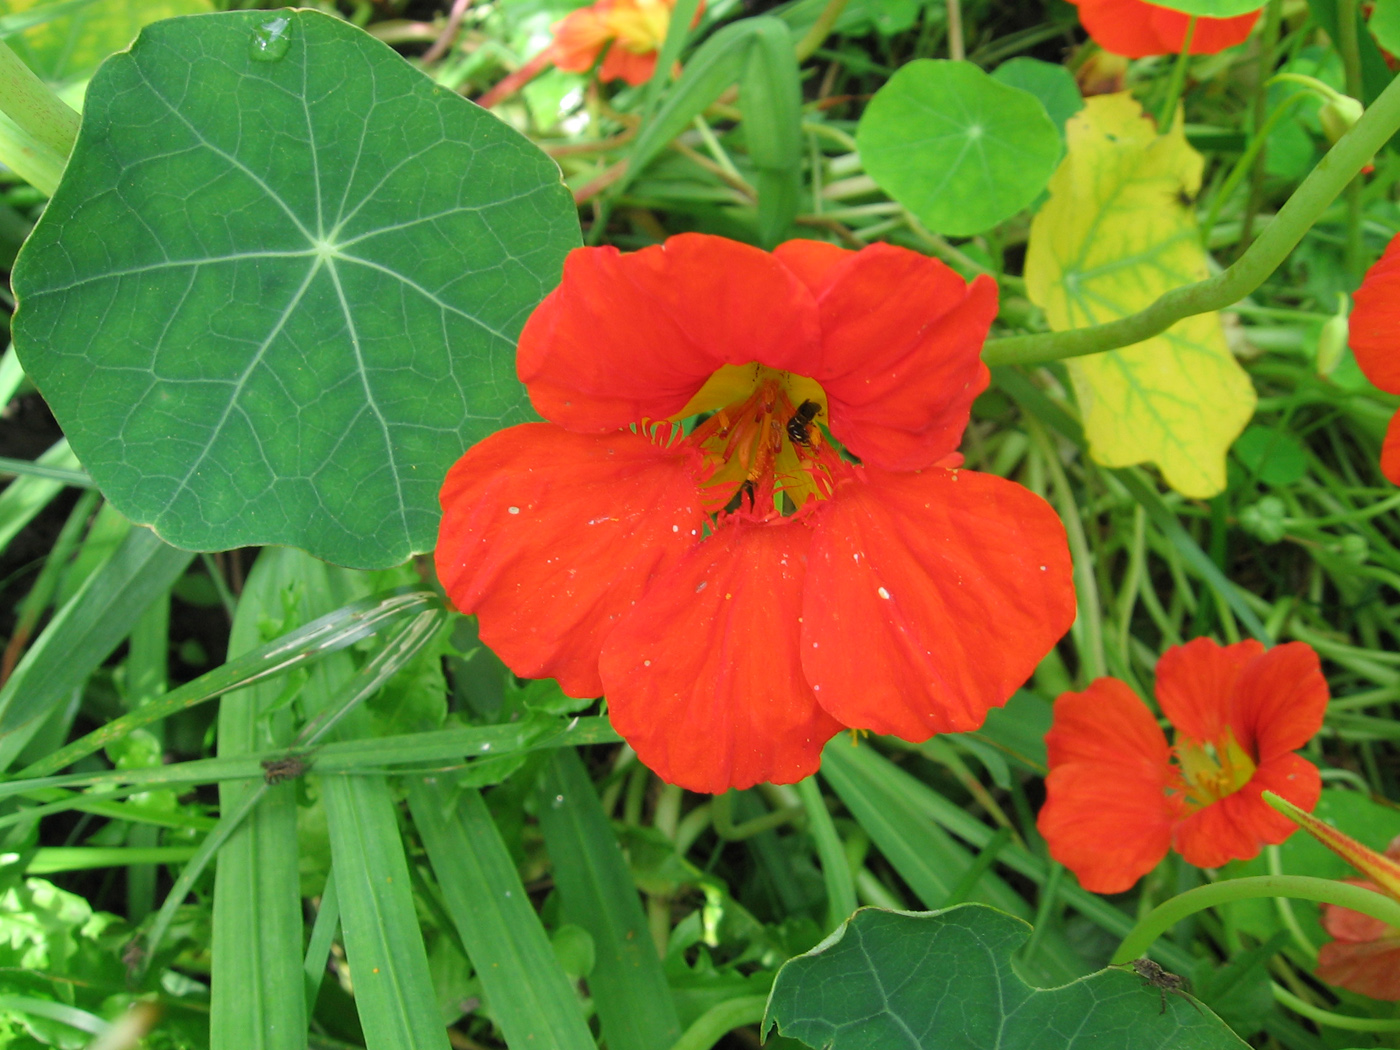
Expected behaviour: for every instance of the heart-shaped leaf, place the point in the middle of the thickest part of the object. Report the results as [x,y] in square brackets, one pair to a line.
[278,290]
[956,147]
[943,980]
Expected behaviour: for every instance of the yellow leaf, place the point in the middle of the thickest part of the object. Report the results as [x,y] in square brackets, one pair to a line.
[1115,234]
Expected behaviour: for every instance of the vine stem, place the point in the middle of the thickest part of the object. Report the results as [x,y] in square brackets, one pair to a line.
[1301,887]
[1333,173]
[1167,116]
[41,128]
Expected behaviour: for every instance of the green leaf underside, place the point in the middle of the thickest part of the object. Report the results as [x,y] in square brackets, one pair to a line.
[1212,8]
[960,150]
[273,301]
[944,980]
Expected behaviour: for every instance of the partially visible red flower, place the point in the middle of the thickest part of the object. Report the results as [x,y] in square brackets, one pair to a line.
[1364,955]
[741,589]
[631,30]
[1136,29]
[1375,339]
[1118,797]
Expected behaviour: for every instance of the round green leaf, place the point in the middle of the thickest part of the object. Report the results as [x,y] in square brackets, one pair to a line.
[1212,8]
[278,290]
[958,149]
[1053,85]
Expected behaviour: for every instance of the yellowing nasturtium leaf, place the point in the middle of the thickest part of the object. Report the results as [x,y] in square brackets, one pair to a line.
[1115,234]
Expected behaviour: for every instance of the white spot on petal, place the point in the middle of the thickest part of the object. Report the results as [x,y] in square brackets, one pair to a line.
[513,510]
[883,593]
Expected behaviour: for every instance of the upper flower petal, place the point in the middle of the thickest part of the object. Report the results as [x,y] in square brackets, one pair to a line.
[703,677]
[1280,698]
[1195,683]
[580,35]
[1240,824]
[1212,35]
[1137,29]
[1375,321]
[902,339]
[631,337]
[1106,816]
[549,537]
[931,596]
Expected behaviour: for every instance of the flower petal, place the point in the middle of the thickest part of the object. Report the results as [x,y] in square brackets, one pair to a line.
[1241,824]
[628,66]
[1195,683]
[811,261]
[631,337]
[1279,700]
[901,363]
[1106,815]
[703,677]
[1375,322]
[549,537]
[1136,29]
[1371,968]
[1390,450]
[1347,925]
[931,597]
[579,36]
[1212,35]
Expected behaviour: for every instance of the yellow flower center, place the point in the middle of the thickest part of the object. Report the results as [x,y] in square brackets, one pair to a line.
[640,26]
[764,440]
[1212,771]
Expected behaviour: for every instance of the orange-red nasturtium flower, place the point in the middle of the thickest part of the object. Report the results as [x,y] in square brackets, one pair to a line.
[1136,29]
[631,30]
[1375,339]
[739,589]
[1118,796]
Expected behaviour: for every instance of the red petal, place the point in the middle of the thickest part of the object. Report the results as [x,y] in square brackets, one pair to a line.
[1390,450]
[549,537]
[703,677]
[579,36]
[1240,825]
[1123,27]
[1196,681]
[1106,815]
[812,261]
[1371,969]
[931,597]
[1375,322]
[1212,35]
[1279,700]
[902,339]
[622,64]
[631,337]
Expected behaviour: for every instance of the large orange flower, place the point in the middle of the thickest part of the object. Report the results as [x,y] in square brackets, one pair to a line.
[1136,29]
[740,589]
[1118,797]
[631,30]
[1375,339]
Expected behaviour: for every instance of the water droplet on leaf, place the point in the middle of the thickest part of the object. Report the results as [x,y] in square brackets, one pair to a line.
[271,39]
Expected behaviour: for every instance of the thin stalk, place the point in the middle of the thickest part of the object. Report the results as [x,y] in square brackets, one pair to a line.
[1302,887]
[716,1022]
[956,49]
[41,128]
[1352,152]
[1268,45]
[1251,162]
[1330,1019]
[1166,116]
[821,29]
[1350,48]
[836,870]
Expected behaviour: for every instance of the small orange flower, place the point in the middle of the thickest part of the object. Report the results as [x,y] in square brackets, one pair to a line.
[631,30]
[1375,339]
[1118,797]
[1364,954]
[1136,29]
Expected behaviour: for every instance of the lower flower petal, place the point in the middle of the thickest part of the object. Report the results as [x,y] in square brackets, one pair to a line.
[931,597]
[1106,816]
[703,677]
[1371,968]
[1196,682]
[1280,698]
[1240,825]
[549,537]
[1374,325]
[1211,35]
[1344,924]
[1123,27]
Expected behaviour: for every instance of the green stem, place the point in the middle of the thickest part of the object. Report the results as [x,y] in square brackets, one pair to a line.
[1302,887]
[718,1021]
[1166,116]
[1327,1017]
[820,30]
[1352,152]
[1350,47]
[1268,48]
[836,870]
[38,136]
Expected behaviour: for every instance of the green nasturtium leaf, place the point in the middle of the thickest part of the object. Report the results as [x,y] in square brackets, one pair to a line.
[1384,24]
[1212,8]
[1117,232]
[69,46]
[957,148]
[279,288]
[1053,85]
[944,981]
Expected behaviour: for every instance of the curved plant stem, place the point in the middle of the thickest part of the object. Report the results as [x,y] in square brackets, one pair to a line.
[1327,1017]
[820,30]
[1302,887]
[716,1022]
[1332,174]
